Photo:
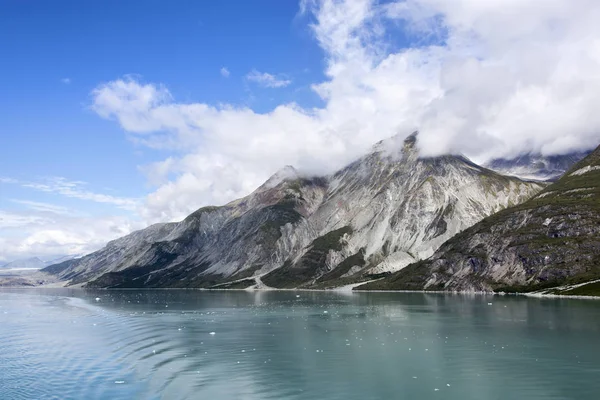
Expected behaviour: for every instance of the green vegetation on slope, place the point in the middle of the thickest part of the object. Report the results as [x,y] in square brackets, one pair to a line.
[591,289]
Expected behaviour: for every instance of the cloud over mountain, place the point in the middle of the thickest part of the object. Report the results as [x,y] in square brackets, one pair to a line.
[487,79]
[492,78]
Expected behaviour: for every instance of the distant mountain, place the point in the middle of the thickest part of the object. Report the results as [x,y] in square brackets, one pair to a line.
[27,263]
[38,263]
[549,243]
[62,258]
[535,166]
[378,214]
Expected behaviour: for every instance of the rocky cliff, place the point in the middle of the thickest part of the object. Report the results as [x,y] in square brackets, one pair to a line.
[550,243]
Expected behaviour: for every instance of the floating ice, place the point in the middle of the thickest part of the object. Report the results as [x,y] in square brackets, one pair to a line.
[97,298]
[119,382]
[489,304]
[212,333]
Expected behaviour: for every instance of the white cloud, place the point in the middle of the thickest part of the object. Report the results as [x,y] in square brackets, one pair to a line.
[225,72]
[12,220]
[74,189]
[45,229]
[267,80]
[33,233]
[43,207]
[470,85]
[66,81]
[8,180]
[486,78]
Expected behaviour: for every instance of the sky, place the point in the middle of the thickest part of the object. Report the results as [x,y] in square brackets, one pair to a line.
[116,115]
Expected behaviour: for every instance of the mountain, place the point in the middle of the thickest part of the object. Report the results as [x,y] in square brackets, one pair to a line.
[536,166]
[378,214]
[62,258]
[27,263]
[37,263]
[550,241]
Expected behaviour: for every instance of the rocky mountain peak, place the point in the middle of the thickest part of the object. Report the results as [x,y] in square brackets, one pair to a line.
[286,173]
[397,147]
[411,141]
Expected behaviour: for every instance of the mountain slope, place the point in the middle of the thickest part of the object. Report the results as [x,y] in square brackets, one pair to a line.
[378,214]
[395,208]
[551,240]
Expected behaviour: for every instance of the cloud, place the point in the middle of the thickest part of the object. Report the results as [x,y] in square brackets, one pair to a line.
[15,220]
[8,180]
[33,233]
[45,229]
[267,80]
[485,78]
[43,207]
[72,189]
[225,72]
[66,81]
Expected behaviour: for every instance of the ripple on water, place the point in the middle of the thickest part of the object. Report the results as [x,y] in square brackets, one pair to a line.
[276,345]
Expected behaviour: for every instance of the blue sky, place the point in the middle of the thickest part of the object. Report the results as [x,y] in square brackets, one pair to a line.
[48,129]
[119,114]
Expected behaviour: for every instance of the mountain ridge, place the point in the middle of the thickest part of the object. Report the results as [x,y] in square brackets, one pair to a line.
[378,214]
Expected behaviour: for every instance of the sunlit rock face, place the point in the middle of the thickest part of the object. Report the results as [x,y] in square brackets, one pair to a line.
[378,214]
[550,243]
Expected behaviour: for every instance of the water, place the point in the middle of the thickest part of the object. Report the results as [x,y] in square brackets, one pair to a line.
[75,344]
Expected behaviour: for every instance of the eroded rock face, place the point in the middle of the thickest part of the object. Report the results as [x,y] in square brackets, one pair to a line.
[377,215]
[552,239]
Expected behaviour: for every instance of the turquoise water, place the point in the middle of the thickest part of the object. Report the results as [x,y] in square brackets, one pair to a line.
[75,344]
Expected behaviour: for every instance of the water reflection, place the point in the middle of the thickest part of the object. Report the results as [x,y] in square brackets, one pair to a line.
[297,345]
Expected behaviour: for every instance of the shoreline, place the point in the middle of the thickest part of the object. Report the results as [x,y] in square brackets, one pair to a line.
[334,290]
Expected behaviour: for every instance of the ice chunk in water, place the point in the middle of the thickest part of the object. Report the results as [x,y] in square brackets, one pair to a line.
[212,333]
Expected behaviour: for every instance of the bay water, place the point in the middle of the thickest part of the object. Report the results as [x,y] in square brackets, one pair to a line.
[178,344]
